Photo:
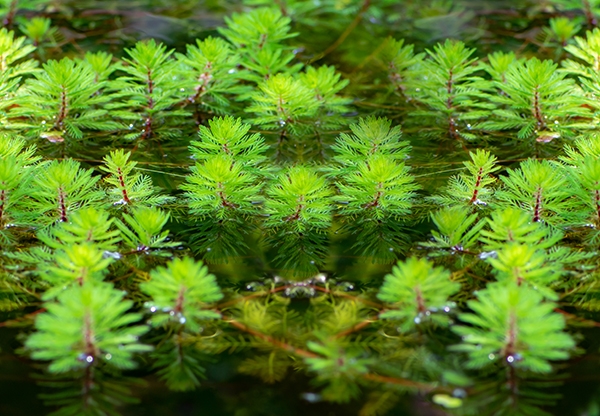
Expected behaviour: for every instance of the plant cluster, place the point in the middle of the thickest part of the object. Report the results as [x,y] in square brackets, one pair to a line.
[161,208]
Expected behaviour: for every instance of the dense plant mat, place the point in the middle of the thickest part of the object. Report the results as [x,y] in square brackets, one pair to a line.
[268,208]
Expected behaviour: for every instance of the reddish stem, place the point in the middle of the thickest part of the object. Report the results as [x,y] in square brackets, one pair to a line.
[355,328]
[537,211]
[421,308]
[63,110]
[62,208]
[275,342]
[537,111]
[2,202]
[122,184]
[180,300]
[477,185]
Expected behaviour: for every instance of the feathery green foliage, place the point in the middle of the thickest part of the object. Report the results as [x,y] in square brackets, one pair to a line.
[402,63]
[13,66]
[416,291]
[15,174]
[87,325]
[472,188]
[538,102]
[129,187]
[458,230]
[513,324]
[373,198]
[142,231]
[59,103]
[227,136]
[208,75]
[145,98]
[58,188]
[540,188]
[180,292]
[371,136]
[448,92]
[512,225]
[348,199]
[300,212]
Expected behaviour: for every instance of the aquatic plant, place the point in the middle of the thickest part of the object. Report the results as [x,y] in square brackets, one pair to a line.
[370,218]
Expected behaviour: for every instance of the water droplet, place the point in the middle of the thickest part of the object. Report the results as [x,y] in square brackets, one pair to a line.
[460,393]
[182,89]
[427,313]
[510,359]
[89,359]
[321,278]
[312,262]
[281,123]
[311,397]
[479,202]
[108,356]
[208,249]
[231,71]
[172,313]
[488,254]
[417,320]
[391,249]
[491,356]
[131,127]
[43,122]
[111,254]
[153,309]
[469,127]
[182,320]
[446,309]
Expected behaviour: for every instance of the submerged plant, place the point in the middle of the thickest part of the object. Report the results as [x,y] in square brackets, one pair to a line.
[146,97]
[128,187]
[57,188]
[449,92]
[60,103]
[300,212]
[528,340]
[539,102]
[287,200]
[417,291]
